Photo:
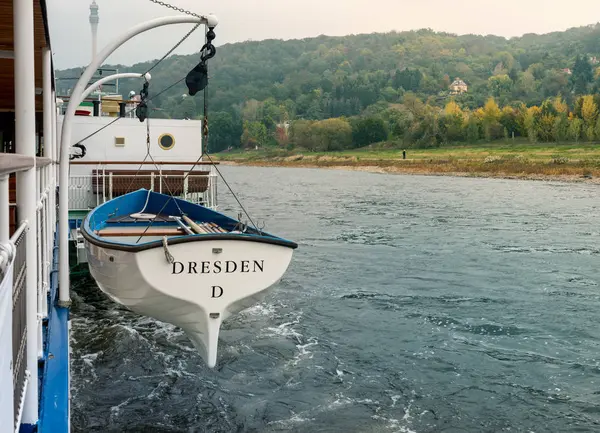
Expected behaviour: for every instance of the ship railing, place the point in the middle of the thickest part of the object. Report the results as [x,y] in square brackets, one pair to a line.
[89,191]
[18,298]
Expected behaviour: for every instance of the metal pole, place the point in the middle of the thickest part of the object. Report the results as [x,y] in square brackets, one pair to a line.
[26,184]
[113,77]
[63,204]
[53,173]
[47,170]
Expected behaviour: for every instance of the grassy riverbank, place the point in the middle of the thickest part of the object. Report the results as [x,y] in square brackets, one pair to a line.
[570,162]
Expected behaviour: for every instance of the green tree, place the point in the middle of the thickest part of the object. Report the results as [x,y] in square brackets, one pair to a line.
[560,130]
[575,127]
[301,134]
[500,85]
[221,132]
[369,130]
[255,134]
[582,75]
[332,134]
[472,129]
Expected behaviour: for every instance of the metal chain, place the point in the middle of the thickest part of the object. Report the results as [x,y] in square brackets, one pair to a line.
[170,6]
[174,47]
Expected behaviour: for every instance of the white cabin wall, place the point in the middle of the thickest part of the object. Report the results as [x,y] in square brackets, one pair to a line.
[101,147]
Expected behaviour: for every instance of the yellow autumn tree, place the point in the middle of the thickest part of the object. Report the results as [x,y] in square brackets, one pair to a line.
[560,105]
[491,120]
[531,123]
[589,113]
[452,109]
[589,110]
[454,119]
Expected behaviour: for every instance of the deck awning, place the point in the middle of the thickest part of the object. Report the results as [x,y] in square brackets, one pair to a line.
[41,41]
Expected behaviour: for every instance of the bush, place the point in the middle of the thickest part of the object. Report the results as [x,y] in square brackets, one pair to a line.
[559,160]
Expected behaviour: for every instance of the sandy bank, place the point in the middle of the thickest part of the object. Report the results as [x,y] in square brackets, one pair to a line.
[438,168]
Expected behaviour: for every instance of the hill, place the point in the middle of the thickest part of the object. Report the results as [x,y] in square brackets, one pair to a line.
[387,86]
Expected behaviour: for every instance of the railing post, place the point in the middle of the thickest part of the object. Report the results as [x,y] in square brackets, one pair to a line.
[45,255]
[110,185]
[103,185]
[213,189]
[24,64]
[40,260]
[185,185]
[160,180]
[48,114]
[152,181]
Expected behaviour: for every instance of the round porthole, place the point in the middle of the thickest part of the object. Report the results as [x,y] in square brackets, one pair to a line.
[166,141]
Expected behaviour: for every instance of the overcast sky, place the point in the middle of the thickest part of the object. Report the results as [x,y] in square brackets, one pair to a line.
[242,20]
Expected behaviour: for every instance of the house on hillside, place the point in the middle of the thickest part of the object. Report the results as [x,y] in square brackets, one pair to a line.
[594,60]
[567,71]
[458,87]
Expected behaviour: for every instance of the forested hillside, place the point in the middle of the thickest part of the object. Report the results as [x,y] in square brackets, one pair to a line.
[330,93]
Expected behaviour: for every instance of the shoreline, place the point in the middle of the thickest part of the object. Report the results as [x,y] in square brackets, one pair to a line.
[416,170]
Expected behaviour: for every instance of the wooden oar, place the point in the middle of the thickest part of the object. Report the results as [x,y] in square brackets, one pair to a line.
[195,227]
[208,228]
[218,228]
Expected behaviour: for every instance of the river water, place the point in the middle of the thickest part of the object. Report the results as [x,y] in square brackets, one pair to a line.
[413,304]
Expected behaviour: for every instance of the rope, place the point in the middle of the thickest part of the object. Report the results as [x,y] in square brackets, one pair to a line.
[144,95]
[151,68]
[174,47]
[168,254]
[132,110]
[234,195]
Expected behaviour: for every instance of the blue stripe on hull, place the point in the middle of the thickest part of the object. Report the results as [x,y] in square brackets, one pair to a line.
[54,390]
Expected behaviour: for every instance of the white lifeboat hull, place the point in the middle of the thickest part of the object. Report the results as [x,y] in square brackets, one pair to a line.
[206,283]
[154,264]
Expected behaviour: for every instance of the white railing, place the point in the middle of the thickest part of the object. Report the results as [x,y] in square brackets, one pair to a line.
[17,301]
[89,191]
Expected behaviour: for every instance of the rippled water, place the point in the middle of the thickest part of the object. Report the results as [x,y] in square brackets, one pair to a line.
[414,304]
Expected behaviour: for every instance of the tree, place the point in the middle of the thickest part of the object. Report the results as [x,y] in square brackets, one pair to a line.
[332,134]
[560,130]
[531,123]
[186,109]
[491,120]
[589,111]
[453,121]
[301,134]
[255,134]
[369,130]
[500,85]
[575,127]
[472,129]
[582,75]
[221,133]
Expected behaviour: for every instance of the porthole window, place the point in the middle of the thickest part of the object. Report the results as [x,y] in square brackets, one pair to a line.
[166,141]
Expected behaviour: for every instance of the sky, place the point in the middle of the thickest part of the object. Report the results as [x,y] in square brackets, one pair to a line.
[242,20]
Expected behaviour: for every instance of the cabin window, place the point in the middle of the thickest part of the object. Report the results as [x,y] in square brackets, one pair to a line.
[119,141]
[166,141]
